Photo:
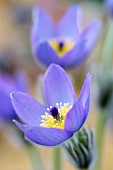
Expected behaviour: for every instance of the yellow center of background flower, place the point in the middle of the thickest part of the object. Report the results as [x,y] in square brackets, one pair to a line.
[61,47]
[49,121]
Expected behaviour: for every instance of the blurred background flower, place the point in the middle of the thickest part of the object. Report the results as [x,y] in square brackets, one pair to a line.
[11,78]
[58,44]
[109,7]
[8,83]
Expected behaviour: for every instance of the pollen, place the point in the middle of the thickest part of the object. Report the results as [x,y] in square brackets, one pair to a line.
[61,46]
[55,116]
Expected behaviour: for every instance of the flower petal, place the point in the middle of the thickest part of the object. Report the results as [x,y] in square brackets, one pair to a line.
[71,58]
[6,109]
[41,21]
[27,108]
[45,54]
[75,118]
[7,85]
[84,97]
[109,7]
[57,86]
[84,47]
[70,20]
[91,34]
[79,112]
[44,136]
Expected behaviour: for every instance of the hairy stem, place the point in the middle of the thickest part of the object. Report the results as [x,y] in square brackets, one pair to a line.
[35,157]
[57,159]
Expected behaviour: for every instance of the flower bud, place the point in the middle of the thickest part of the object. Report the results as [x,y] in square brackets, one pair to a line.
[81,149]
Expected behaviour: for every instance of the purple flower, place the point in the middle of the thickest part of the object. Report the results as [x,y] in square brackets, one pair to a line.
[8,84]
[64,44]
[64,114]
[109,7]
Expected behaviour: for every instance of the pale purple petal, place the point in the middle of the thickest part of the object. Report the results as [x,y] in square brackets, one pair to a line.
[69,25]
[79,112]
[7,83]
[6,87]
[44,136]
[27,108]
[57,86]
[6,109]
[71,58]
[42,26]
[91,34]
[45,54]
[83,48]
[84,97]
[75,118]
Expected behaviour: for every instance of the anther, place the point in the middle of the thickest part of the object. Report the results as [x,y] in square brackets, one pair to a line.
[61,45]
[55,113]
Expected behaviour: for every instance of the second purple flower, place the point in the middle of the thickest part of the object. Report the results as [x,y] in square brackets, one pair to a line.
[64,44]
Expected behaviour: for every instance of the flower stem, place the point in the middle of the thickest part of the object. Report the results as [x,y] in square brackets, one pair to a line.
[34,157]
[57,159]
[100,129]
[108,48]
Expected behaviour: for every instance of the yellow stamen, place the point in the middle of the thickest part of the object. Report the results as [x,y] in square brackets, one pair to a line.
[67,45]
[49,121]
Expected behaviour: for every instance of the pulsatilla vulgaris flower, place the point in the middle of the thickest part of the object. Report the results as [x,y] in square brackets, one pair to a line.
[8,84]
[64,114]
[64,44]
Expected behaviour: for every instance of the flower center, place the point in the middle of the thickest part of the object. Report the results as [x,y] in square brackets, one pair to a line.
[55,117]
[61,47]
